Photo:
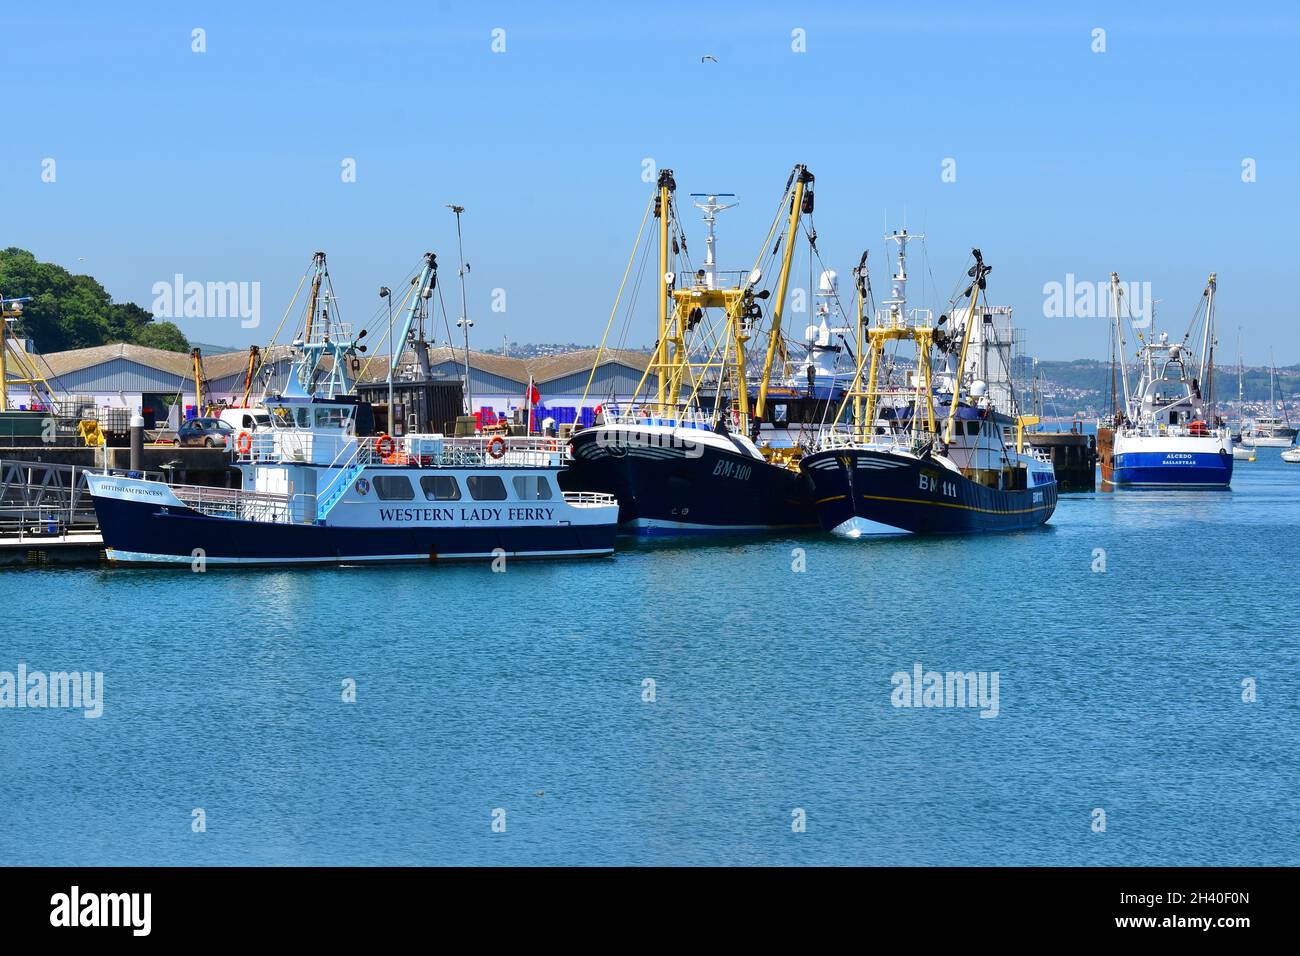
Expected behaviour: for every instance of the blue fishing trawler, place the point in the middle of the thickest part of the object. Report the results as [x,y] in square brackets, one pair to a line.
[928,453]
[1168,435]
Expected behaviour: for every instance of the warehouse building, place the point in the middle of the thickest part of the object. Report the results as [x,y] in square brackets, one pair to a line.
[160,384]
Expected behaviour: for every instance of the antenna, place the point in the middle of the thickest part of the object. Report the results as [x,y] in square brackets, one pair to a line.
[897,301]
[711,208]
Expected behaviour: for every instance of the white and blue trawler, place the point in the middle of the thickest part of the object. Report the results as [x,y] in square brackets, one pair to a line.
[314,491]
[1169,435]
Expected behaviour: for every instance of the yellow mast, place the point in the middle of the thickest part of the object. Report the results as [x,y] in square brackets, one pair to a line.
[197,361]
[860,286]
[319,260]
[803,179]
[25,370]
[977,273]
[662,207]
[249,372]
[5,313]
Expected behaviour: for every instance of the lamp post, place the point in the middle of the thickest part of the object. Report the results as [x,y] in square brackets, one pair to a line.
[385,293]
[465,324]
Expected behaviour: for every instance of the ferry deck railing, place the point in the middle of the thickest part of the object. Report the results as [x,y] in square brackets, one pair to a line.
[241,504]
[424,451]
[589,499]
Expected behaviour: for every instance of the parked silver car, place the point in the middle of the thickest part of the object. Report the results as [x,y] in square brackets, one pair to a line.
[205,433]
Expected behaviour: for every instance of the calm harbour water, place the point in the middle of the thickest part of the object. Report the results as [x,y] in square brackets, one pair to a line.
[475,691]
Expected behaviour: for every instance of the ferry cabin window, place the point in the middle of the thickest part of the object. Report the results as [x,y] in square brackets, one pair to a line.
[486,487]
[532,488]
[394,488]
[440,488]
[972,428]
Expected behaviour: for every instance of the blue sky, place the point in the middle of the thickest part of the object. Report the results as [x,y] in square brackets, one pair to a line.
[225,165]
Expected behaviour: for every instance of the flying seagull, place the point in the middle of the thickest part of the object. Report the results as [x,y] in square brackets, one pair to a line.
[708,56]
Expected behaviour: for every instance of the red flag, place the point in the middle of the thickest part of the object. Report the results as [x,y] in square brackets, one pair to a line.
[534,396]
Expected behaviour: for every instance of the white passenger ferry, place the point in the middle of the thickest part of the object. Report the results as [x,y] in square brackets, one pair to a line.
[316,493]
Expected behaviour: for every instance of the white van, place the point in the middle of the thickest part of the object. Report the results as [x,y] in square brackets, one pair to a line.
[247,419]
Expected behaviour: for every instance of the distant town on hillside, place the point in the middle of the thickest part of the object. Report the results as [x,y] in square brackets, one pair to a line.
[66,311]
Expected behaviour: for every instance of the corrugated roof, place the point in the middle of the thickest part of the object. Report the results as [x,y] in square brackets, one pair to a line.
[514,369]
[221,364]
[545,368]
[61,363]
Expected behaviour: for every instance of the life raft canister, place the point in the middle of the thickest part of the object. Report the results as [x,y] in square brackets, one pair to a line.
[1198,428]
[384,446]
[244,443]
[497,447]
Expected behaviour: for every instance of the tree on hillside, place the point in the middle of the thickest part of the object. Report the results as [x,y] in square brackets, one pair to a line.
[69,311]
[162,335]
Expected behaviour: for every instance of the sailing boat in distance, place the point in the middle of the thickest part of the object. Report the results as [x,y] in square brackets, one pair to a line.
[1269,431]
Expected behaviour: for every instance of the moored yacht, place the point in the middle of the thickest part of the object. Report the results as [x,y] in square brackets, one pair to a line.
[1269,431]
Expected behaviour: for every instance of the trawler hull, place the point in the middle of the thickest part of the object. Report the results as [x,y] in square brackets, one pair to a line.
[861,492]
[681,486]
[143,523]
[1169,462]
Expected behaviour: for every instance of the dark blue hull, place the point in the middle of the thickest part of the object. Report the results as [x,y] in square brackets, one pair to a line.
[870,492]
[141,532]
[697,490]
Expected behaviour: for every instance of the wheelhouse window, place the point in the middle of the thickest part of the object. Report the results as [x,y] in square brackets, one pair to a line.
[440,488]
[486,487]
[394,488]
[532,488]
[332,416]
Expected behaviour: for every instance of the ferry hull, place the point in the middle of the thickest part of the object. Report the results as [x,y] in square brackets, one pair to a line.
[861,492]
[663,489]
[138,532]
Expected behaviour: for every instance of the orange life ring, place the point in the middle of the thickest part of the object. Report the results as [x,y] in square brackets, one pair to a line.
[497,447]
[244,443]
[384,446]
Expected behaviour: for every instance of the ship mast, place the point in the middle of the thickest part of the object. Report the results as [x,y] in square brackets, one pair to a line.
[801,202]
[977,274]
[897,301]
[663,209]
[1116,293]
[711,208]
[1207,338]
